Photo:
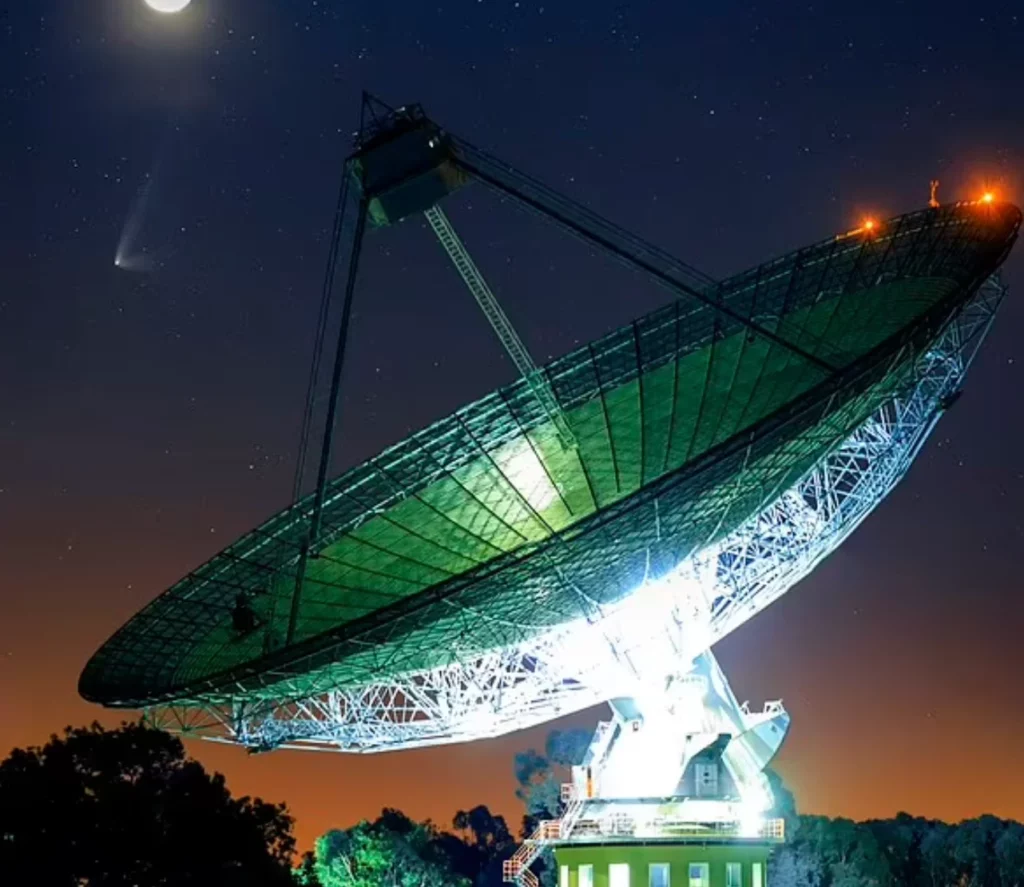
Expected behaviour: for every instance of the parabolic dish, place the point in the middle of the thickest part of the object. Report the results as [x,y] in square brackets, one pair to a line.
[482,529]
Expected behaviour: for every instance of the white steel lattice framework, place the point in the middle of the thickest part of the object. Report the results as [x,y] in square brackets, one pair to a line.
[657,631]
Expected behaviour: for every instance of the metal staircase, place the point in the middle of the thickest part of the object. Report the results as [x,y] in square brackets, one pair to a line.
[574,796]
[516,869]
[499,322]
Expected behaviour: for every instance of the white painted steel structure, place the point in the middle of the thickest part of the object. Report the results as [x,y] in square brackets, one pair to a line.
[654,634]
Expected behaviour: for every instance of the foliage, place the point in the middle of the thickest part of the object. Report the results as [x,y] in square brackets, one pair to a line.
[392,851]
[127,807]
[794,867]
[539,776]
[305,873]
[482,842]
[905,851]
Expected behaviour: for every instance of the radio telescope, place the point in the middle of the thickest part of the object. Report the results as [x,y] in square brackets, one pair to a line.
[588,533]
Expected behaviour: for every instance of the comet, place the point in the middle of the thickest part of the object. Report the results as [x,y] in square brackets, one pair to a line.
[128,256]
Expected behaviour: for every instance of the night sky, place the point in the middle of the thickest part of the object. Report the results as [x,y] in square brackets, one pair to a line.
[149,416]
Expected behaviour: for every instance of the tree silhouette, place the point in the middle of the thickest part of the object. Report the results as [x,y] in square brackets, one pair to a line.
[487,842]
[540,776]
[126,807]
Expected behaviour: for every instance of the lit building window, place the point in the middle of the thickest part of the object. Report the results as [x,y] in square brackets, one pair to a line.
[733,874]
[657,875]
[618,874]
[586,876]
[757,879]
[700,875]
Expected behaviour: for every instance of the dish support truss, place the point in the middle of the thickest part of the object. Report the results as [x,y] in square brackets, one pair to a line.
[653,636]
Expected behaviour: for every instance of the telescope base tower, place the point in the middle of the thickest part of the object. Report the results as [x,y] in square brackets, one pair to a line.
[674,782]
[690,861]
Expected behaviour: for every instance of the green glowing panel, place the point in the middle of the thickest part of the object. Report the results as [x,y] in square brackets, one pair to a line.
[482,530]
